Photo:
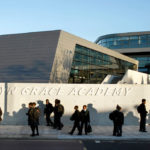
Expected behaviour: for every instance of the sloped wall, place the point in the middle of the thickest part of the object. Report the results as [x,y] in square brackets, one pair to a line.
[27,57]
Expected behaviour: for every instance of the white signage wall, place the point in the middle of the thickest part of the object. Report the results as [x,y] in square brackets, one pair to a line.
[100,99]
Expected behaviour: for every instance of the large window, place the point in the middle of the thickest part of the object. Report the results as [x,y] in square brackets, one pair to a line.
[126,42]
[90,66]
[144,63]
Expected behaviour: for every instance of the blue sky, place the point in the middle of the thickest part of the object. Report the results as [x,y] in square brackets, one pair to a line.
[85,18]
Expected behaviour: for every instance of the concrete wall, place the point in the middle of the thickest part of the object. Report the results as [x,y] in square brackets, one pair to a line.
[101,100]
[135,77]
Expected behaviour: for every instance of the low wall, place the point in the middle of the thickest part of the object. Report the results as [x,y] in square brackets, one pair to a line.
[100,99]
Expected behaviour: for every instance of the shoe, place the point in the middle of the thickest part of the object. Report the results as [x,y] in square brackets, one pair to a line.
[32,135]
[79,133]
[142,131]
[37,134]
[119,135]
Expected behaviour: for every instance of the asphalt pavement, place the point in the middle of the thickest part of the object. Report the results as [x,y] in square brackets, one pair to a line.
[6,144]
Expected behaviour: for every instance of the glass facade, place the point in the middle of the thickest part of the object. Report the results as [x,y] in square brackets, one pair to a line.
[90,66]
[144,65]
[131,41]
[121,42]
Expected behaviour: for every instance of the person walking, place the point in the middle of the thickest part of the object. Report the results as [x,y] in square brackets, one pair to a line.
[33,118]
[28,113]
[85,119]
[118,120]
[36,116]
[142,111]
[58,112]
[30,122]
[76,118]
[47,111]
[1,114]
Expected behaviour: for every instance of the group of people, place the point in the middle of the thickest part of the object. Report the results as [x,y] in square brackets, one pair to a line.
[58,111]
[34,115]
[118,118]
[81,118]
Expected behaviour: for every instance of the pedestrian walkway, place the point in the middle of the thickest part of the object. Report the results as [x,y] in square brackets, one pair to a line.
[99,132]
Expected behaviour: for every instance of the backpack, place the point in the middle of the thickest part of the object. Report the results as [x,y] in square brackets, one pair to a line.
[36,113]
[139,109]
[111,116]
[61,109]
[72,118]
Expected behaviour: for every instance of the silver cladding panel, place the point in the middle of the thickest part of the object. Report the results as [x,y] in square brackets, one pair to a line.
[27,57]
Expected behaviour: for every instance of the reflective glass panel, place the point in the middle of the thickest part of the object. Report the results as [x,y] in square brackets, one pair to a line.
[90,66]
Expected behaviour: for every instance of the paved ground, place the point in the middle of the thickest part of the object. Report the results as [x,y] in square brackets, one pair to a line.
[99,132]
[72,145]
[40,145]
[18,137]
[115,145]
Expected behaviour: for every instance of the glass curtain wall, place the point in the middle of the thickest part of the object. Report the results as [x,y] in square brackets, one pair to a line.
[144,63]
[90,66]
[118,42]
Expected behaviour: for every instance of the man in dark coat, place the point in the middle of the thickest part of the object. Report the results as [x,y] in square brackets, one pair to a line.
[28,113]
[118,119]
[33,118]
[30,118]
[1,114]
[47,111]
[36,117]
[76,118]
[58,112]
[85,119]
[142,110]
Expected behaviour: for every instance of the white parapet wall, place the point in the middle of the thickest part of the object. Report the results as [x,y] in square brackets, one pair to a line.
[100,99]
[135,77]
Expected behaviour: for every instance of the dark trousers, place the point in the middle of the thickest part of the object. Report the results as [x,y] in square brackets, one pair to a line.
[85,124]
[48,119]
[57,122]
[142,122]
[37,129]
[33,128]
[117,129]
[75,125]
